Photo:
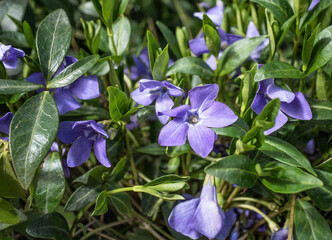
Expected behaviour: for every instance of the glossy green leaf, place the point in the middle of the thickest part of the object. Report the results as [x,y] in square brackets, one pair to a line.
[323,85]
[182,39]
[53,41]
[101,204]
[178,150]
[236,130]
[73,72]
[145,113]
[7,213]
[285,28]
[286,153]
[121,31]
[309,224]
[211,36]
[131,112]
[278,69]
[167,183]
[322,196]
[29,35]
[16,39]
[322,51]
[282,178]
[191,65]
[237,169]
[17,86]
[121,201]
[170,38]
[252,140]
[266,119]
[107,8]
[153,192]
[153,149]
[49,226]
[321,110]
[325,166]
[173,165]
[51,184]
[237,53]
[93,175]
[120,169]
[310,16]
[153,49]
[281,9]
[83,196]
[161,65]
[32,132]
[308,45]
[118,103]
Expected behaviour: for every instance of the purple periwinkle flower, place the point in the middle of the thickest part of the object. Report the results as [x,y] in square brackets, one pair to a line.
[313,4]
[84,134]
[5,123]
[253,32]
[142,66]
[292,104]
[9,55]
[310,147]
[194,121]
[216,14]
[196,217]
[281,234]
[149,90]
[83,88]
[198,46]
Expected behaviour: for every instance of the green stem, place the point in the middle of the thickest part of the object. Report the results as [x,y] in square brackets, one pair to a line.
[271,206]
[188,159]
[291,218]
[233,194]
[183,17]
[132,162]
[126,189]
[10,106]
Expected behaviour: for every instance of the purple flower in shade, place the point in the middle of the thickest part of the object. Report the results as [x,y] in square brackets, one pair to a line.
[142,66]
[198,46]
[235,234]
[196,217]
[5,124]
[149,90]
[310,147]
[84,134]
[55,148]
[281,234]
[216,14]
[83,88]
[293,104]
[9,55]
[313,4]
[253,32]
[194,121]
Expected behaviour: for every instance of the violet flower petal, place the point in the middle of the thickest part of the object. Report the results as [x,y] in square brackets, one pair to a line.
[198,45]
[38,78]
[65,101]
[180,111]
[230,219]
[201,139]
[252,30]
[144,97]
[181,218]
[217,115]
[203,97]
[79,152]
[281,234]
[149,84]
[280,121]
[313,4]
[99,148]
[174,133]
[85,87]
[163,103]
[274,91]
[299,108]
[5,122]
[216,14]
[172,90]
[211,62]
[67,134]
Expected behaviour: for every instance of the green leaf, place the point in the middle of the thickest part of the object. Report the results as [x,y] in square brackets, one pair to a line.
[321,110]
[266,119]
[323,85]
[121,202]
[101,204]
[167,183]
[161,65]
[127,115]
[17,86]
[153,192]
[118,103]
[53,41]
[191,65]
[32,132]
[308,44]
[9,187]
[7,213]
[83,196]
[16,39]
[153,49]
[282,178]
[211,36]
[322,51]
[253,139]
[49,226]
[178,150]
[277,69]
[281,9]
[236,130]
[170,38]
[182,39]
[73,72]
[145,113]
[173,165]
[29,35]
[237,53]
[236,169]
[286,153]
[107,8]
[51,184]
[325,166]
[120,169]
[285,28]
[322,196]
[121,31]
[153,149]
[309,224]
[93,175]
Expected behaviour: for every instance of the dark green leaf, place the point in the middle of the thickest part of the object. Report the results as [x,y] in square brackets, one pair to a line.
[53,41]
[236,130]
[237,53]
[278,69]
[281,9]
[73,72]
[190,65]
[51,184]
[325,166]
[178,150]
[107,8]
[49,226]
[101,204]
[153,149]
[16,39]
[32,132]
[127,115]
[283,178]
[309,224]
[29,35]
[166,179]
[286,153]
[211,36]
[321,110]
[323,85]
[236,169]
[145,113]
[322,196]
[17,86]
[120,169]
[93,175]
[153,192]
[121,202]
[308,45]
[7,213]
[83,196]
[161,65]
[153,48]
[285,28]
[170,38]
[266,119]
[121,31]
[118,103]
